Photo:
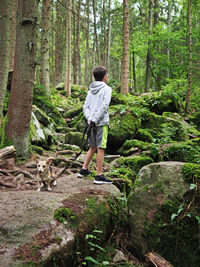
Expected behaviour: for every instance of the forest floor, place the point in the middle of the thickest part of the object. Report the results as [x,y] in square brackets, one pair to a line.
[26,212]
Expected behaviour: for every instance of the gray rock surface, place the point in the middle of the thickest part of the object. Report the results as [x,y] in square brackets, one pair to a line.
[25,213]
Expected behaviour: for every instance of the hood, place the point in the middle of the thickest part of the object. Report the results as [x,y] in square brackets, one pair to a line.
[96,86]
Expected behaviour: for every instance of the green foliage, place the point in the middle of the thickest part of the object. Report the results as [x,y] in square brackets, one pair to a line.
[144,135]
[161,101]
[64,214]
[181,152]
[191,172]
[4,140]
[181,234]
[41,100]
[136,163]
[122,127]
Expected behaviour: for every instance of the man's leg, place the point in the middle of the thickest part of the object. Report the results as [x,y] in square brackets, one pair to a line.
[89,156]
[100,159]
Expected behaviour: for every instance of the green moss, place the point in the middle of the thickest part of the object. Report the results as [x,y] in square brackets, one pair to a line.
[74,138]
[64,214]
[4,140]
[122,128]
[191,172]
[181,152]
[74,111]
[41,100]
[181,234]
[143,135]
[37,149]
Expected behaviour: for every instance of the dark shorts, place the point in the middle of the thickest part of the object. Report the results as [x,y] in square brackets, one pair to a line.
[98,136]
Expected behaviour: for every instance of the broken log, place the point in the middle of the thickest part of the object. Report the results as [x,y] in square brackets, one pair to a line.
[7,156]
[157,260]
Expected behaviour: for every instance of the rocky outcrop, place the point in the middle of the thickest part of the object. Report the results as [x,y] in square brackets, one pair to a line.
[28,231]
[156,184]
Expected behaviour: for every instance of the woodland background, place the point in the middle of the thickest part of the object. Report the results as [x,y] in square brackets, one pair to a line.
[147,45]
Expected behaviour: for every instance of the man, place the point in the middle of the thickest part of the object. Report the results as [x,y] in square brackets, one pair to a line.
[95,110]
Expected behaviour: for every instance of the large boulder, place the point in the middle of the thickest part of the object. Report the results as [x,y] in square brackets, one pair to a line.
[156,184]
[122,127]
[165,128]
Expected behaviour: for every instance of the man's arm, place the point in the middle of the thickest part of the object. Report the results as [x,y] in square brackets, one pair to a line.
[103,109]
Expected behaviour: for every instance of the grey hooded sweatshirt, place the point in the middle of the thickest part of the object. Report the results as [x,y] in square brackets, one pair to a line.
[96,103]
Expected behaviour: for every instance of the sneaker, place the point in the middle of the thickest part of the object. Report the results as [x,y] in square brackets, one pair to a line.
[101,179]
[83,173]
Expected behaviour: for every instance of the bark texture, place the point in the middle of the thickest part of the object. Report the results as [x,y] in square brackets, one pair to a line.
[125,58]
[68,49]
[45,36]
[190,56]
[58,45]
[148,59]
[20,105]
[5,19]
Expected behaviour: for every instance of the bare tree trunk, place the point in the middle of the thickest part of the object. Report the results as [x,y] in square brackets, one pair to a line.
[5,20]
[52,44]
[58,45]
[108,36]
[45,36]
[20,105]
[95,32]
[87,42]
[68,49]
[168,27]
[125,59]
[157,48]
[13,34]
[190,57]
[78,42]
[148,59]
[74,57]
[134,72]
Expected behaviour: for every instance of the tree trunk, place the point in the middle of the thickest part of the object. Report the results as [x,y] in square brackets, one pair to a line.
[52,44]
[45,36]
[74,59]
[190,57]
[78,42]
[58,45]
[68,49]
[87,42]
[5,11]
[168,27]
[13,34]
[95,32]
[125,58]
[148,59]
[134,72]
[108,36]
[157,48]
[20,104]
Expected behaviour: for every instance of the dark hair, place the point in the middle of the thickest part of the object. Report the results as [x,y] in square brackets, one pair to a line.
[99,73]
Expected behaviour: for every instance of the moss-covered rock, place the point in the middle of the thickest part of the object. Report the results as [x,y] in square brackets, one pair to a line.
[74,138]
[73,112]
[131,146]
[136,163]
[164,129]
[184,152]
[155,184]
[42,101]
[159,102]
[161,212]
[143,135]
[122,128]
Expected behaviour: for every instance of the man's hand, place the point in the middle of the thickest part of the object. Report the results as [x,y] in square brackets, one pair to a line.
[91,124]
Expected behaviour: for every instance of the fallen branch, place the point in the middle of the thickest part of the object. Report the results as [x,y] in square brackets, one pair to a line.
[2,183]
[157,260]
